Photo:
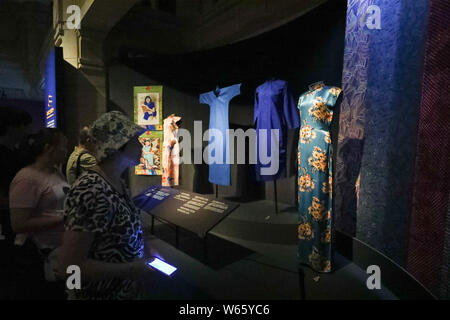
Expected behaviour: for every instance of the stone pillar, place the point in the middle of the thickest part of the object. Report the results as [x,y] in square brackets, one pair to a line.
[92,66]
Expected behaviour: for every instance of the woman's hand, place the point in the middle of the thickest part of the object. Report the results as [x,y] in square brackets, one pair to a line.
[151,253]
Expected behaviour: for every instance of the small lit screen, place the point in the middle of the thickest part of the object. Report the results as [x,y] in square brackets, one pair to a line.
[162,266]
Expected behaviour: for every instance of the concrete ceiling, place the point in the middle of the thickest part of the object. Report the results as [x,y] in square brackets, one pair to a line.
[195,26]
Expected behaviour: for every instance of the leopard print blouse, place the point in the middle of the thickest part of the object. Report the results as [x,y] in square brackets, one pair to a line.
[94,206]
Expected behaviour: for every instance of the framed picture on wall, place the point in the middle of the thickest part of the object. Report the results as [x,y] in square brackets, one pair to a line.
[148,107]
[150,162]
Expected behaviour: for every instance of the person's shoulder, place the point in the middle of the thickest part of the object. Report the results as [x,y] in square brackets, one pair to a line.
[87,180]
[88,183]
[29,173]
[89,187]
[87,159]
[86,155]
[29,176]
[89,177]
[72,158]
[75,152]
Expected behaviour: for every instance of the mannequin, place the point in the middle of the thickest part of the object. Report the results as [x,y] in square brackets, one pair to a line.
[275,109]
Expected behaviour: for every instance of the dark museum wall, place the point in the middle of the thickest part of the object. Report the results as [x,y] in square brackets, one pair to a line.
[180,26]
[24,26]
[303,51]
[34,108]
[80,103]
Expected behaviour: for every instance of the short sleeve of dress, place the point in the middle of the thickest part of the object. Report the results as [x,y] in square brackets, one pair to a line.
[87,208]
[205,98]
[235,90]
[332,96]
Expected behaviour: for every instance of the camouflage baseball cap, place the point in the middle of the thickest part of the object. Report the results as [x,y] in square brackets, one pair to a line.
[111,132]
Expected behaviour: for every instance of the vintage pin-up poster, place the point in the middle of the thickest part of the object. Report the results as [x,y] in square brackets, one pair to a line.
[148,107]
[151,155]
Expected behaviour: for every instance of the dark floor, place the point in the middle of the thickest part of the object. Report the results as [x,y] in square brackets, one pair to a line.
[250,255]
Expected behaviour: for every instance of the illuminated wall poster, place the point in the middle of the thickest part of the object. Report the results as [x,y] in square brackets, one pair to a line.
[150,162]
[148,107]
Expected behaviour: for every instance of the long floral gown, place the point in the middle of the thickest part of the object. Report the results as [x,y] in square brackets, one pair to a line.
[315,177]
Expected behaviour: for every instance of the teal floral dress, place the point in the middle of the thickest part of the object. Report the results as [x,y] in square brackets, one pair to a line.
[315,177]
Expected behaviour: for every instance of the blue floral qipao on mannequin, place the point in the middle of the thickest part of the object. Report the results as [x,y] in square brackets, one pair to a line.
[218,100]
[275,108]
[315,176]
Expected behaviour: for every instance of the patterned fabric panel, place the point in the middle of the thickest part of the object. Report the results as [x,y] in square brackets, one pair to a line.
[352,117]
[378,124]
[429,245]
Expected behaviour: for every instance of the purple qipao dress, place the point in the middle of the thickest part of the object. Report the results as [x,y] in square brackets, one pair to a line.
[275,108]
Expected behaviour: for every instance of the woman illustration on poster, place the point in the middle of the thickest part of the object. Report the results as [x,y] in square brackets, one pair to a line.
[148,157]
[149,108]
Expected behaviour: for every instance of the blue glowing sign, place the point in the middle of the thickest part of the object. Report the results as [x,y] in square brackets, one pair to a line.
[50,91]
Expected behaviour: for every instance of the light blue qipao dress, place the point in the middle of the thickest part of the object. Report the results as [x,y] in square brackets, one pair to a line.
[218,100]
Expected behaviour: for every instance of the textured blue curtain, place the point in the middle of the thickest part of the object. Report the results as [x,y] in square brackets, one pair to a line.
[378,123]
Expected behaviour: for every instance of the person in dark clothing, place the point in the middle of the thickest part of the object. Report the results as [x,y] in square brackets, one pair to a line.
[14,125]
